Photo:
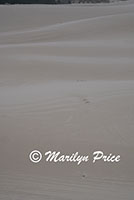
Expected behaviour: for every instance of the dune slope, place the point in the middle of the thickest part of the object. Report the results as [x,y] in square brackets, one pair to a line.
[66,84]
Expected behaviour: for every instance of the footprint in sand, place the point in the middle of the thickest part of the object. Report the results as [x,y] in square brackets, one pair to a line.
[86,101]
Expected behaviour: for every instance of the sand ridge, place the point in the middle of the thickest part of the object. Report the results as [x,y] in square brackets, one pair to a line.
[66,84]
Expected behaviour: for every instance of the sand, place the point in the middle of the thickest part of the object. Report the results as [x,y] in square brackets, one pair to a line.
[66,84]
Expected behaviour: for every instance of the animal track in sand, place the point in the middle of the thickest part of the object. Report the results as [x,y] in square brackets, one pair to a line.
[81,80]
[83,175]
[86,101]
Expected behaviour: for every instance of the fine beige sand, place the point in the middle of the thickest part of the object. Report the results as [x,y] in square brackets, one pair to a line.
[66,84]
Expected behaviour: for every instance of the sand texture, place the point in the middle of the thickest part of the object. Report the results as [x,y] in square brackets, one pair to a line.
[66,84]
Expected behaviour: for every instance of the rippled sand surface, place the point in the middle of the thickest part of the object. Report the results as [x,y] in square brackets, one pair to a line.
[66,84]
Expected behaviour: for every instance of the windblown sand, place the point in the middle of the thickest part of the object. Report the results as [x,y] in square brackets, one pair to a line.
[66,84]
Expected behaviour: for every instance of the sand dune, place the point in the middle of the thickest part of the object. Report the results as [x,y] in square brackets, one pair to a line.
[66,84]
